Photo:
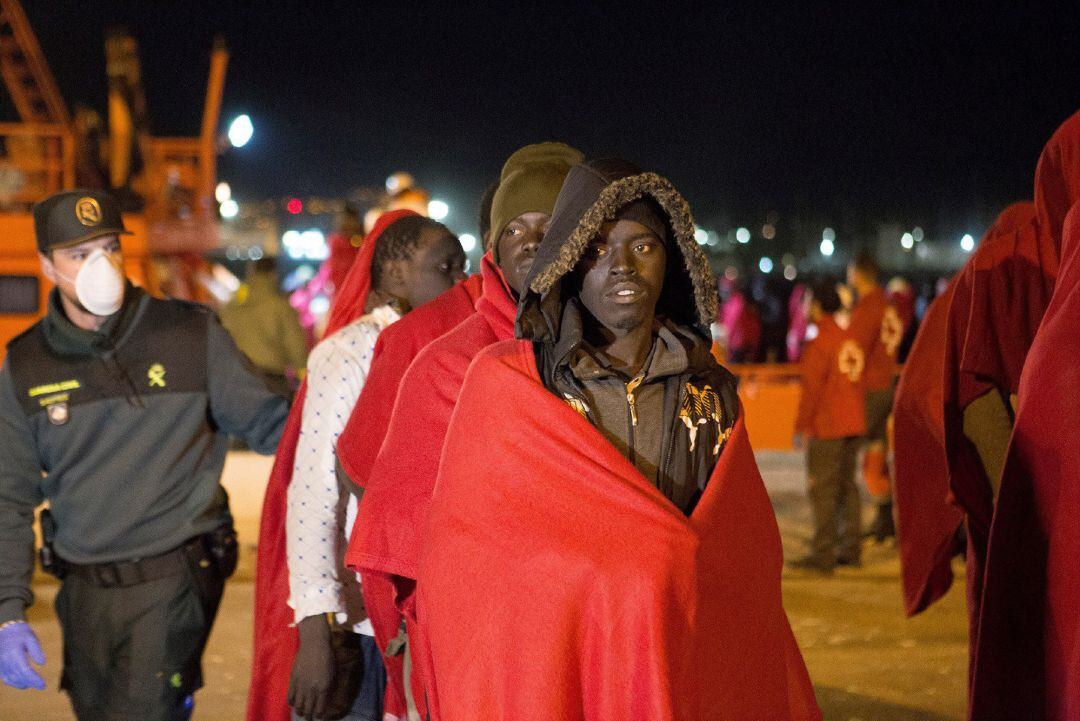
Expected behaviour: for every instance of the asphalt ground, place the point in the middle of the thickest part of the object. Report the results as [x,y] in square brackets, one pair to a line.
[868,662]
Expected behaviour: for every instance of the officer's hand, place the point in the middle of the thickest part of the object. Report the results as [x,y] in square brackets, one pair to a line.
[313,670]
[17,641]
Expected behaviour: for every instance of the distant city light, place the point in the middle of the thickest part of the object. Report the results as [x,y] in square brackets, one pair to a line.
[255,252]
[731,272]
[790,272]
[917,234]
[714,238]
[830,235]
[768,231]
[701,236]
[907,240]
[742,235]
[295,206]
[229,208]
[468,242]
[967,243]
[222,192]
[306,245]
[438,210]
[765,264]
[240,131]
[319,305]
[827,247]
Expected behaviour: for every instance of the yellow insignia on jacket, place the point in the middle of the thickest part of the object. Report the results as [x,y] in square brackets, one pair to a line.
[699,406]
[577,404]
[156,375]
[50,388]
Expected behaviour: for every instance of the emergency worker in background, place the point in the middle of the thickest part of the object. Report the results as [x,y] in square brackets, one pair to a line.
[878,328]
[115,408]
[832,417]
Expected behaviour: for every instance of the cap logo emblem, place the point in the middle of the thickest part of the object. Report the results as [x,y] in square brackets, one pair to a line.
[88,211]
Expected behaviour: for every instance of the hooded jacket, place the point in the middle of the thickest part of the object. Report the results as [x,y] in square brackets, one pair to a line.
[672,419]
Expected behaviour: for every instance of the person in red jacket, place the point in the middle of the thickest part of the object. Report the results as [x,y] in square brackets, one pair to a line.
[832,417]
[878,328]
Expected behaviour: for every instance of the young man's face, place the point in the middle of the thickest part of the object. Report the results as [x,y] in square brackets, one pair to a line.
[61,265]
[437,264]
[622,275]
[517,245]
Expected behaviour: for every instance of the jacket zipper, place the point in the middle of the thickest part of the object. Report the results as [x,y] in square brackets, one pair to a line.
[632,403]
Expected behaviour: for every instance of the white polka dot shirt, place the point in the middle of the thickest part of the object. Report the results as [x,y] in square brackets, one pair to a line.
[320,513]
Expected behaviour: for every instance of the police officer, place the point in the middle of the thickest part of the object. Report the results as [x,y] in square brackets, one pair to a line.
[115,408]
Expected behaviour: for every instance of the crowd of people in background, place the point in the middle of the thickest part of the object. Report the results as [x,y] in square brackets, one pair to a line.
[530,492]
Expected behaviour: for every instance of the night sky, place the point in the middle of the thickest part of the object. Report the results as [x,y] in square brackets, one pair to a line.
[845,113]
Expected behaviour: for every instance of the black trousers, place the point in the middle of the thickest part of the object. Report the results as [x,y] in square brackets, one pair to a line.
[834,497]
[134,652]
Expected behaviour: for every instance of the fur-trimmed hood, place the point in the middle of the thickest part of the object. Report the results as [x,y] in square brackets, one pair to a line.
[592,194]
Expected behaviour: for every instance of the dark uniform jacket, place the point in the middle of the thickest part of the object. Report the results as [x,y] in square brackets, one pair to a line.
[124,432]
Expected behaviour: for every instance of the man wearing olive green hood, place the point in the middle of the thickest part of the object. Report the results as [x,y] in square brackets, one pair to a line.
[388,534]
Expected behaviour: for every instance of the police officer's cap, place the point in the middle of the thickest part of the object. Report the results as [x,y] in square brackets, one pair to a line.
[76,216]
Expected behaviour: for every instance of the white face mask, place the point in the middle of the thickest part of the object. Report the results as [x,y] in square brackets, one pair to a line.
[99,284]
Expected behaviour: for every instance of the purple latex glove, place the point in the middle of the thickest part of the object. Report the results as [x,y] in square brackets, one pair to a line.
[18,641]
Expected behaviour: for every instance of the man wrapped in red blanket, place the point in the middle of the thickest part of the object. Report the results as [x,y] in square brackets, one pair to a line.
[600,544]
[385,545]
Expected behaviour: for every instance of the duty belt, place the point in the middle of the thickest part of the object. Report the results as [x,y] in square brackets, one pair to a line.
[119,574]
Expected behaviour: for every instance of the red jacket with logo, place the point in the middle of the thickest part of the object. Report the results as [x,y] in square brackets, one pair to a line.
[878,328]
[833,385]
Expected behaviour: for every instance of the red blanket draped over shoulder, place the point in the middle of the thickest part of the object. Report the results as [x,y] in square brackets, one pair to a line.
[931,388]
[1028,657]
[928,522]
[557,583]
[385,545]
[360,441]
[397,346]
[275,636]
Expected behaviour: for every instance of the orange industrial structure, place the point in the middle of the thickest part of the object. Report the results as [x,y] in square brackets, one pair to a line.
[170,191]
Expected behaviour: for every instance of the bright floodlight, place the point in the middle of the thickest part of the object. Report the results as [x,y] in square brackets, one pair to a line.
[907,240]
[967,243]
[438,210]
[701,236]
[240,131]
[222,192]
[468,242]
[827,247]
[830,235]
[766,265]
[742,235]
[229,208]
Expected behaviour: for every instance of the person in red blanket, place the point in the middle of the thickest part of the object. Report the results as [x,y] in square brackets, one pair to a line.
[878,328]
[600,544]
[928,519]
[386,537]
[1027,652]
[1028,655]
[403,262]
[832,417]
